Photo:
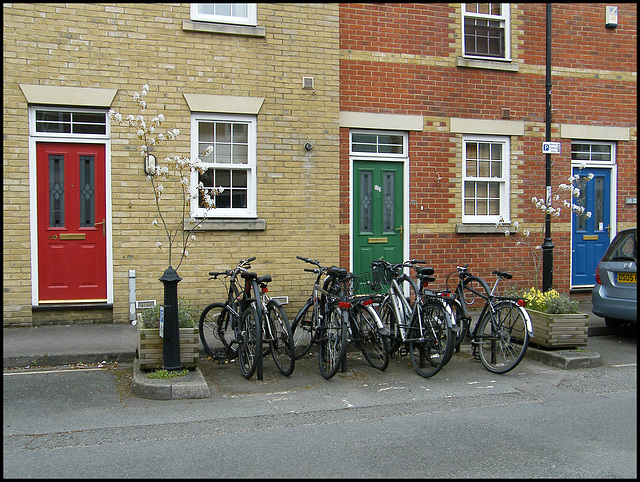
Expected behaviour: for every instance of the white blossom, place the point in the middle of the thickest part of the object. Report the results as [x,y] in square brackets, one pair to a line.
[182,167]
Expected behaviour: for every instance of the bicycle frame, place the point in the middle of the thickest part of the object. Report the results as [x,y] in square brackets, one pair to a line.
[489,299]
[238,320]
[318,301]
[401,307]
[314,297]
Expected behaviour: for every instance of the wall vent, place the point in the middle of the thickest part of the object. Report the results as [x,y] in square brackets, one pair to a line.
[282,299]
[307,82]
[144,304]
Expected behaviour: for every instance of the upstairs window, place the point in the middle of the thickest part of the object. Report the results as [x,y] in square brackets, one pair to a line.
[485,176]
[232,13]
[486,30]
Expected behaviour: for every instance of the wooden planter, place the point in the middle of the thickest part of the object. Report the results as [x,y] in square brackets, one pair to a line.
[559,331]
[150,348]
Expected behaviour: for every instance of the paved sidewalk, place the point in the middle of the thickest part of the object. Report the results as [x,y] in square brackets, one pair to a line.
[72,344]
[83,344]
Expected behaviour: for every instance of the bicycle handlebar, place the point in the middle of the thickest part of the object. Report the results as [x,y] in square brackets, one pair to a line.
[309,260]
[394,266]
[242,265]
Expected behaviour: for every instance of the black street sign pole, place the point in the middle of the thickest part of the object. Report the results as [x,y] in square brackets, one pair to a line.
[547,245]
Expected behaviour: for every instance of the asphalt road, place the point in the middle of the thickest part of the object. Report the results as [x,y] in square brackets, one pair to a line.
[536,422]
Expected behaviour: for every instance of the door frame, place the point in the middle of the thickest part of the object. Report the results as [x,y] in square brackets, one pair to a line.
[33,201]
[613,190]
[405,201]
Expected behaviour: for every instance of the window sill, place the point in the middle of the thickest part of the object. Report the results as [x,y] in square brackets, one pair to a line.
[192,26]
[222,224]
[487,64]
[478,229]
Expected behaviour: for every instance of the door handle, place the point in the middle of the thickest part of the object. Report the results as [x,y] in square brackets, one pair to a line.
[95,225]
[399,229]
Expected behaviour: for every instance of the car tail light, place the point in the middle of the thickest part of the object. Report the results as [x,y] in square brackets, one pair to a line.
[598,274]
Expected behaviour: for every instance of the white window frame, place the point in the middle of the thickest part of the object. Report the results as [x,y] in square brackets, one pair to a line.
[591,162]
[67,135]
[251,19]
[504,19]
[504,180]
[386,155]
[251,210]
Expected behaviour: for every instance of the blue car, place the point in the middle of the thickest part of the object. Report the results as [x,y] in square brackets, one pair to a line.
[615,294]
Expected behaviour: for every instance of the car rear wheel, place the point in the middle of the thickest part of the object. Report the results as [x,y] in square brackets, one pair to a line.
[621,327]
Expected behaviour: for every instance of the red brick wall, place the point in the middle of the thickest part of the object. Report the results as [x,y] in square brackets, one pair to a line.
[413,72]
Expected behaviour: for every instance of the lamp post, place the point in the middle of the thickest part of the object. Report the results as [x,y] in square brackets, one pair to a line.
[547,245]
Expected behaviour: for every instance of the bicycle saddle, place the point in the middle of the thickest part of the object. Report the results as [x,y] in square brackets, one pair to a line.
[337,272]
[502,274]
[423,270]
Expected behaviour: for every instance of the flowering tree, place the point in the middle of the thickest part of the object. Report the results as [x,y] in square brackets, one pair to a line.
[178,170]
[553,206]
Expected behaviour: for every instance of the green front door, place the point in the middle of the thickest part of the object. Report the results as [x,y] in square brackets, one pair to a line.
[378,228]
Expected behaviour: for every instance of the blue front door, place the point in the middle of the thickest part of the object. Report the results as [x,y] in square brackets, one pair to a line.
[590,236]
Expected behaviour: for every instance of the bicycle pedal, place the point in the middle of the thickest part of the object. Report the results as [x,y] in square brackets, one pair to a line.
[403,351]
[220,356]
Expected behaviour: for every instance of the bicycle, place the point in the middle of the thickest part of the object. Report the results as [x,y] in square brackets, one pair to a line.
[364,328]
[424,329]
[305,326]
[332,317]
[501,335]
[276,330]
[236,323]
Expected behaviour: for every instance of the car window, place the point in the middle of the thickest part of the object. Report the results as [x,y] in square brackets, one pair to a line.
[624,248]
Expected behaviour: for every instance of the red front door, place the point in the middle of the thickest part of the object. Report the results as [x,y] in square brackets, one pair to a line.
[71,223]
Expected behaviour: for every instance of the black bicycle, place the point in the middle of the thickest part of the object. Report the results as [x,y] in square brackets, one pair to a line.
[365,329]
[501,335]
[277,337]
[233,329]
[306,324]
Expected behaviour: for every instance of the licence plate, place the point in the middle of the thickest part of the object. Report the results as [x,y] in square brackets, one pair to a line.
[627,278]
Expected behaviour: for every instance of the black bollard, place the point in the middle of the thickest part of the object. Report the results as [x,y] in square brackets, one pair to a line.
[171,346]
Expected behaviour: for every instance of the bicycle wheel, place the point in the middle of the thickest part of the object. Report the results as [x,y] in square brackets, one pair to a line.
[216,332]
[390,321]
[503,338]
[304,329]
[282,343]
[430,338]
[249,341]
[374,345]
[408,285]
[332,342]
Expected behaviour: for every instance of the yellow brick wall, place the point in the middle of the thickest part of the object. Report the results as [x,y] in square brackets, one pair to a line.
[122,46]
